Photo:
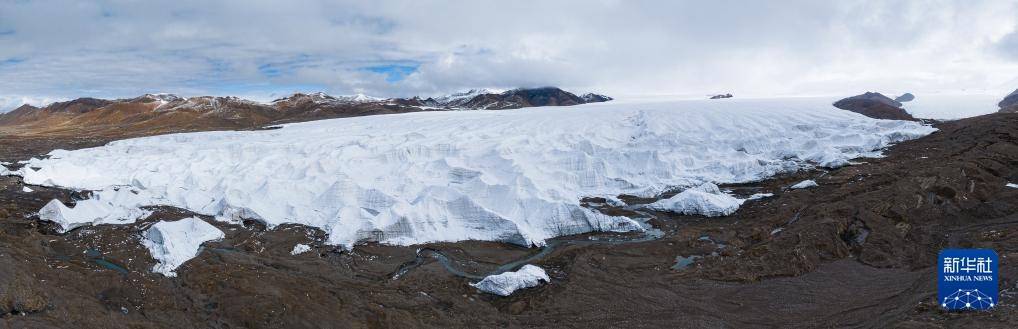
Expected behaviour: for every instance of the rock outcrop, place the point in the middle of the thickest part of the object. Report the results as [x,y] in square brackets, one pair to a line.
[874,105]
[595,98]
[523,97]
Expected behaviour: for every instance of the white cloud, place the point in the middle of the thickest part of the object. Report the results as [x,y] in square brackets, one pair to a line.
[265,48]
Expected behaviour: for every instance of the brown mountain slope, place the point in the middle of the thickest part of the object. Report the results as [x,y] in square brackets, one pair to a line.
[163,113]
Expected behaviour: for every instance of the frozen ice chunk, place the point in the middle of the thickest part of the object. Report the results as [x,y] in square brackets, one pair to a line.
[705,199]
[173,243]
[804,184]
[506,283]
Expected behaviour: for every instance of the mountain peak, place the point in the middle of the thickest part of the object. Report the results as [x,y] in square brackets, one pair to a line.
[158,97]
[358,98]
[321,98]
[25,107]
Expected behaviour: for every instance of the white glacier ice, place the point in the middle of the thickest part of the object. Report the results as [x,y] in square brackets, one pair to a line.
[176,242]
[953,106]
[804,184]
[757,196]
[505,284]
[113,205]
[514,175]
[706,200]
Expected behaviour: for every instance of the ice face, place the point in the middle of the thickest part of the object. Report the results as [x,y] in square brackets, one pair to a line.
[514,176]
[173,243]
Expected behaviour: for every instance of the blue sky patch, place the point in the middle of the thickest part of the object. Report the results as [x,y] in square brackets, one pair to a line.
[11,61]
[394,72]
[286,67]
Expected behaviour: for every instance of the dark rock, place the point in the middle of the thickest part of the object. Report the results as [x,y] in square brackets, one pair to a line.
[906,97]
[720,96]
[874,105]
[595,98]
[523,97]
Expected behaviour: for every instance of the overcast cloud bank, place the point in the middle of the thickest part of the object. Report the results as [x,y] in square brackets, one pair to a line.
[263,49]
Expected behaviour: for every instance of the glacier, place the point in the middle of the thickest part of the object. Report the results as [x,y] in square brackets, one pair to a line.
[514,175]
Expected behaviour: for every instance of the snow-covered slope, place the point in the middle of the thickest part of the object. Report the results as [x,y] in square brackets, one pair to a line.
[949,107]
[514,176]
[358,98]
[457,99]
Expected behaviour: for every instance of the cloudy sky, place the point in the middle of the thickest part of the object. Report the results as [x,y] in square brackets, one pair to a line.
[53,50]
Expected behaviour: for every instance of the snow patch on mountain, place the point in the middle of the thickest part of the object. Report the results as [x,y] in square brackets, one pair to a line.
[516,176]
[162,98]
[452,100]
[206,104]
[358,98]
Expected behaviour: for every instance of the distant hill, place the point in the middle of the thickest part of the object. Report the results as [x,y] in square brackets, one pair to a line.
[874,105]
[160,113]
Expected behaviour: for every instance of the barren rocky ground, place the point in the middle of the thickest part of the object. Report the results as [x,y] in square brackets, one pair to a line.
[857,251]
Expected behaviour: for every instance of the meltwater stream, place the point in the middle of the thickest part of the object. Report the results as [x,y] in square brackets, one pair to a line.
[649,234]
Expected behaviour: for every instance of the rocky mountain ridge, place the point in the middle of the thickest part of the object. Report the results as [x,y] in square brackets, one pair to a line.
[167,112]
